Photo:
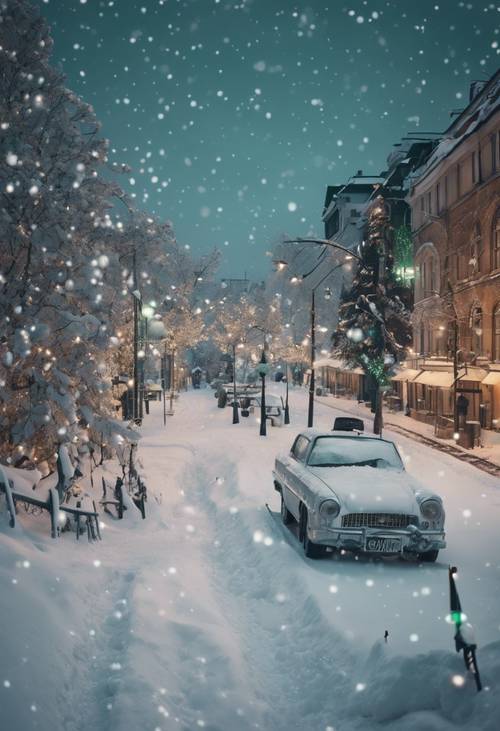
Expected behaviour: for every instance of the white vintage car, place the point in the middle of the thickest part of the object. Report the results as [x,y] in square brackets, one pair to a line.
[350,491]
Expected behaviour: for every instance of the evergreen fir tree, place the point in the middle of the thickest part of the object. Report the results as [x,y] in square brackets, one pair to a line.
[374,327]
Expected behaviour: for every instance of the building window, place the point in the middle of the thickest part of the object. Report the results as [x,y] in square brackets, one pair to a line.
[473,159]
[476,251]
[429,202]
[332,224]
[493,145]
[458,181]
[432,276]
[476,322]
[496,241]
[446,192]
[496,333]
[438,197]
[462,264]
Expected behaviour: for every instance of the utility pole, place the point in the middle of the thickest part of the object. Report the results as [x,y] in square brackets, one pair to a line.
[172,380]
[135,367]
[263,369]
[287,408]
[312,379]
[236,418]
[164,383]
[455,370]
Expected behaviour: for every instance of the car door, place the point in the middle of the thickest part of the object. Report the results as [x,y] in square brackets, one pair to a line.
[294,473]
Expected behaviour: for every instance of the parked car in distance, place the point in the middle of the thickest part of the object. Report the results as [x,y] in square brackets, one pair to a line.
[351,492]
[348,423]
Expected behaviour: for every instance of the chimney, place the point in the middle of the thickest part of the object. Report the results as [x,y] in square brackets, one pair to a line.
[359,173]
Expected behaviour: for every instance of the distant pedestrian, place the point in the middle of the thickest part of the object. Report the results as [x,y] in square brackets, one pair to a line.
[462,408]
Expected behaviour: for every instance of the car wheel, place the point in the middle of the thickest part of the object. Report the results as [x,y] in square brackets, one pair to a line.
[311,550]
[428,556]
[286,515]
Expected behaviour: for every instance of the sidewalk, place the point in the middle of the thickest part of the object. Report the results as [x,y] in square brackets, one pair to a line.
[486,458]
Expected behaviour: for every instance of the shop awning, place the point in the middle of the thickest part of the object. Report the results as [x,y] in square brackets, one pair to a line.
[440,379]
[407,374]
[473,374]
[492,379]
[329,363]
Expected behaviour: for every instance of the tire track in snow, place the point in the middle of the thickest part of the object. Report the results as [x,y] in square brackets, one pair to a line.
[299,668]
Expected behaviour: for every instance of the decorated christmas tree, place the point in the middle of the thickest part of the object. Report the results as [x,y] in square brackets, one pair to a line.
[374,329]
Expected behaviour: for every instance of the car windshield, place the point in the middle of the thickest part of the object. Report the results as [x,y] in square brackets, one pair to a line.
[355,452]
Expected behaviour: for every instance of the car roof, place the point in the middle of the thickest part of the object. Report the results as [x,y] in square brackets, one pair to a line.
[314,433]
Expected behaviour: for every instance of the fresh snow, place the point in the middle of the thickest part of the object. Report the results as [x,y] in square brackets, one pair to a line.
[207,615]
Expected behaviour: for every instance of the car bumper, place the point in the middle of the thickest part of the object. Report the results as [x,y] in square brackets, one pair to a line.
[357,539]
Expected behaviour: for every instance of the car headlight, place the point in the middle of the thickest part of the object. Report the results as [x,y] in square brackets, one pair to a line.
[431,509]
[328,511]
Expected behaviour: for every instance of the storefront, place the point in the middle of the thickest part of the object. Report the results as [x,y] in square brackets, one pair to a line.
[430,397]
[490,390]
[397,400]
[335,377]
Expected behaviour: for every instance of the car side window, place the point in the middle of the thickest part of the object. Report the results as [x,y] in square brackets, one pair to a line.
[300,448]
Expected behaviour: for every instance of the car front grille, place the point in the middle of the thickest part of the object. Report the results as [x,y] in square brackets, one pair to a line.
[377,520]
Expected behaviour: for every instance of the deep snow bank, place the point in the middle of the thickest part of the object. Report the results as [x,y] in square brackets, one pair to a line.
[208,613]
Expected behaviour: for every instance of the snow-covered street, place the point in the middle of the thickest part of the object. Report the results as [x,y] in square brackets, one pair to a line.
[208,615]
[200,201]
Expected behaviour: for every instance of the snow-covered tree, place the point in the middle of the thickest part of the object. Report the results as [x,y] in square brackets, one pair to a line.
[374,328]
[186,311]
[142,269]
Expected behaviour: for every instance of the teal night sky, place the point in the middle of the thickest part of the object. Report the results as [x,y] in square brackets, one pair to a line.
[235,116]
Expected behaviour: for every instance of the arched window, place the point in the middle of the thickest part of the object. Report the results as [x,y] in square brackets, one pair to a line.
[427,264]
[496,241]
[476,323]
[496,333]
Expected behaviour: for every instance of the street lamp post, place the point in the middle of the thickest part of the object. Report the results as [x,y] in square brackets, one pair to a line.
[135,404]
[263,370]
[147,313]
[236,418]
[287,409]
[452,317]
[312,378]
[324,242]
[380,274]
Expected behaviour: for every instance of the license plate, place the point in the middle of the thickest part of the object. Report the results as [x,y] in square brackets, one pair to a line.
[377,544]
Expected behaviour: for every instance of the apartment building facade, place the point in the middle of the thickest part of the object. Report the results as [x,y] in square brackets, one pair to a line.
[455,204]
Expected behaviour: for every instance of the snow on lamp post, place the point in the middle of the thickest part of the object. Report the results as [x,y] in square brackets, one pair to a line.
[263,370]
